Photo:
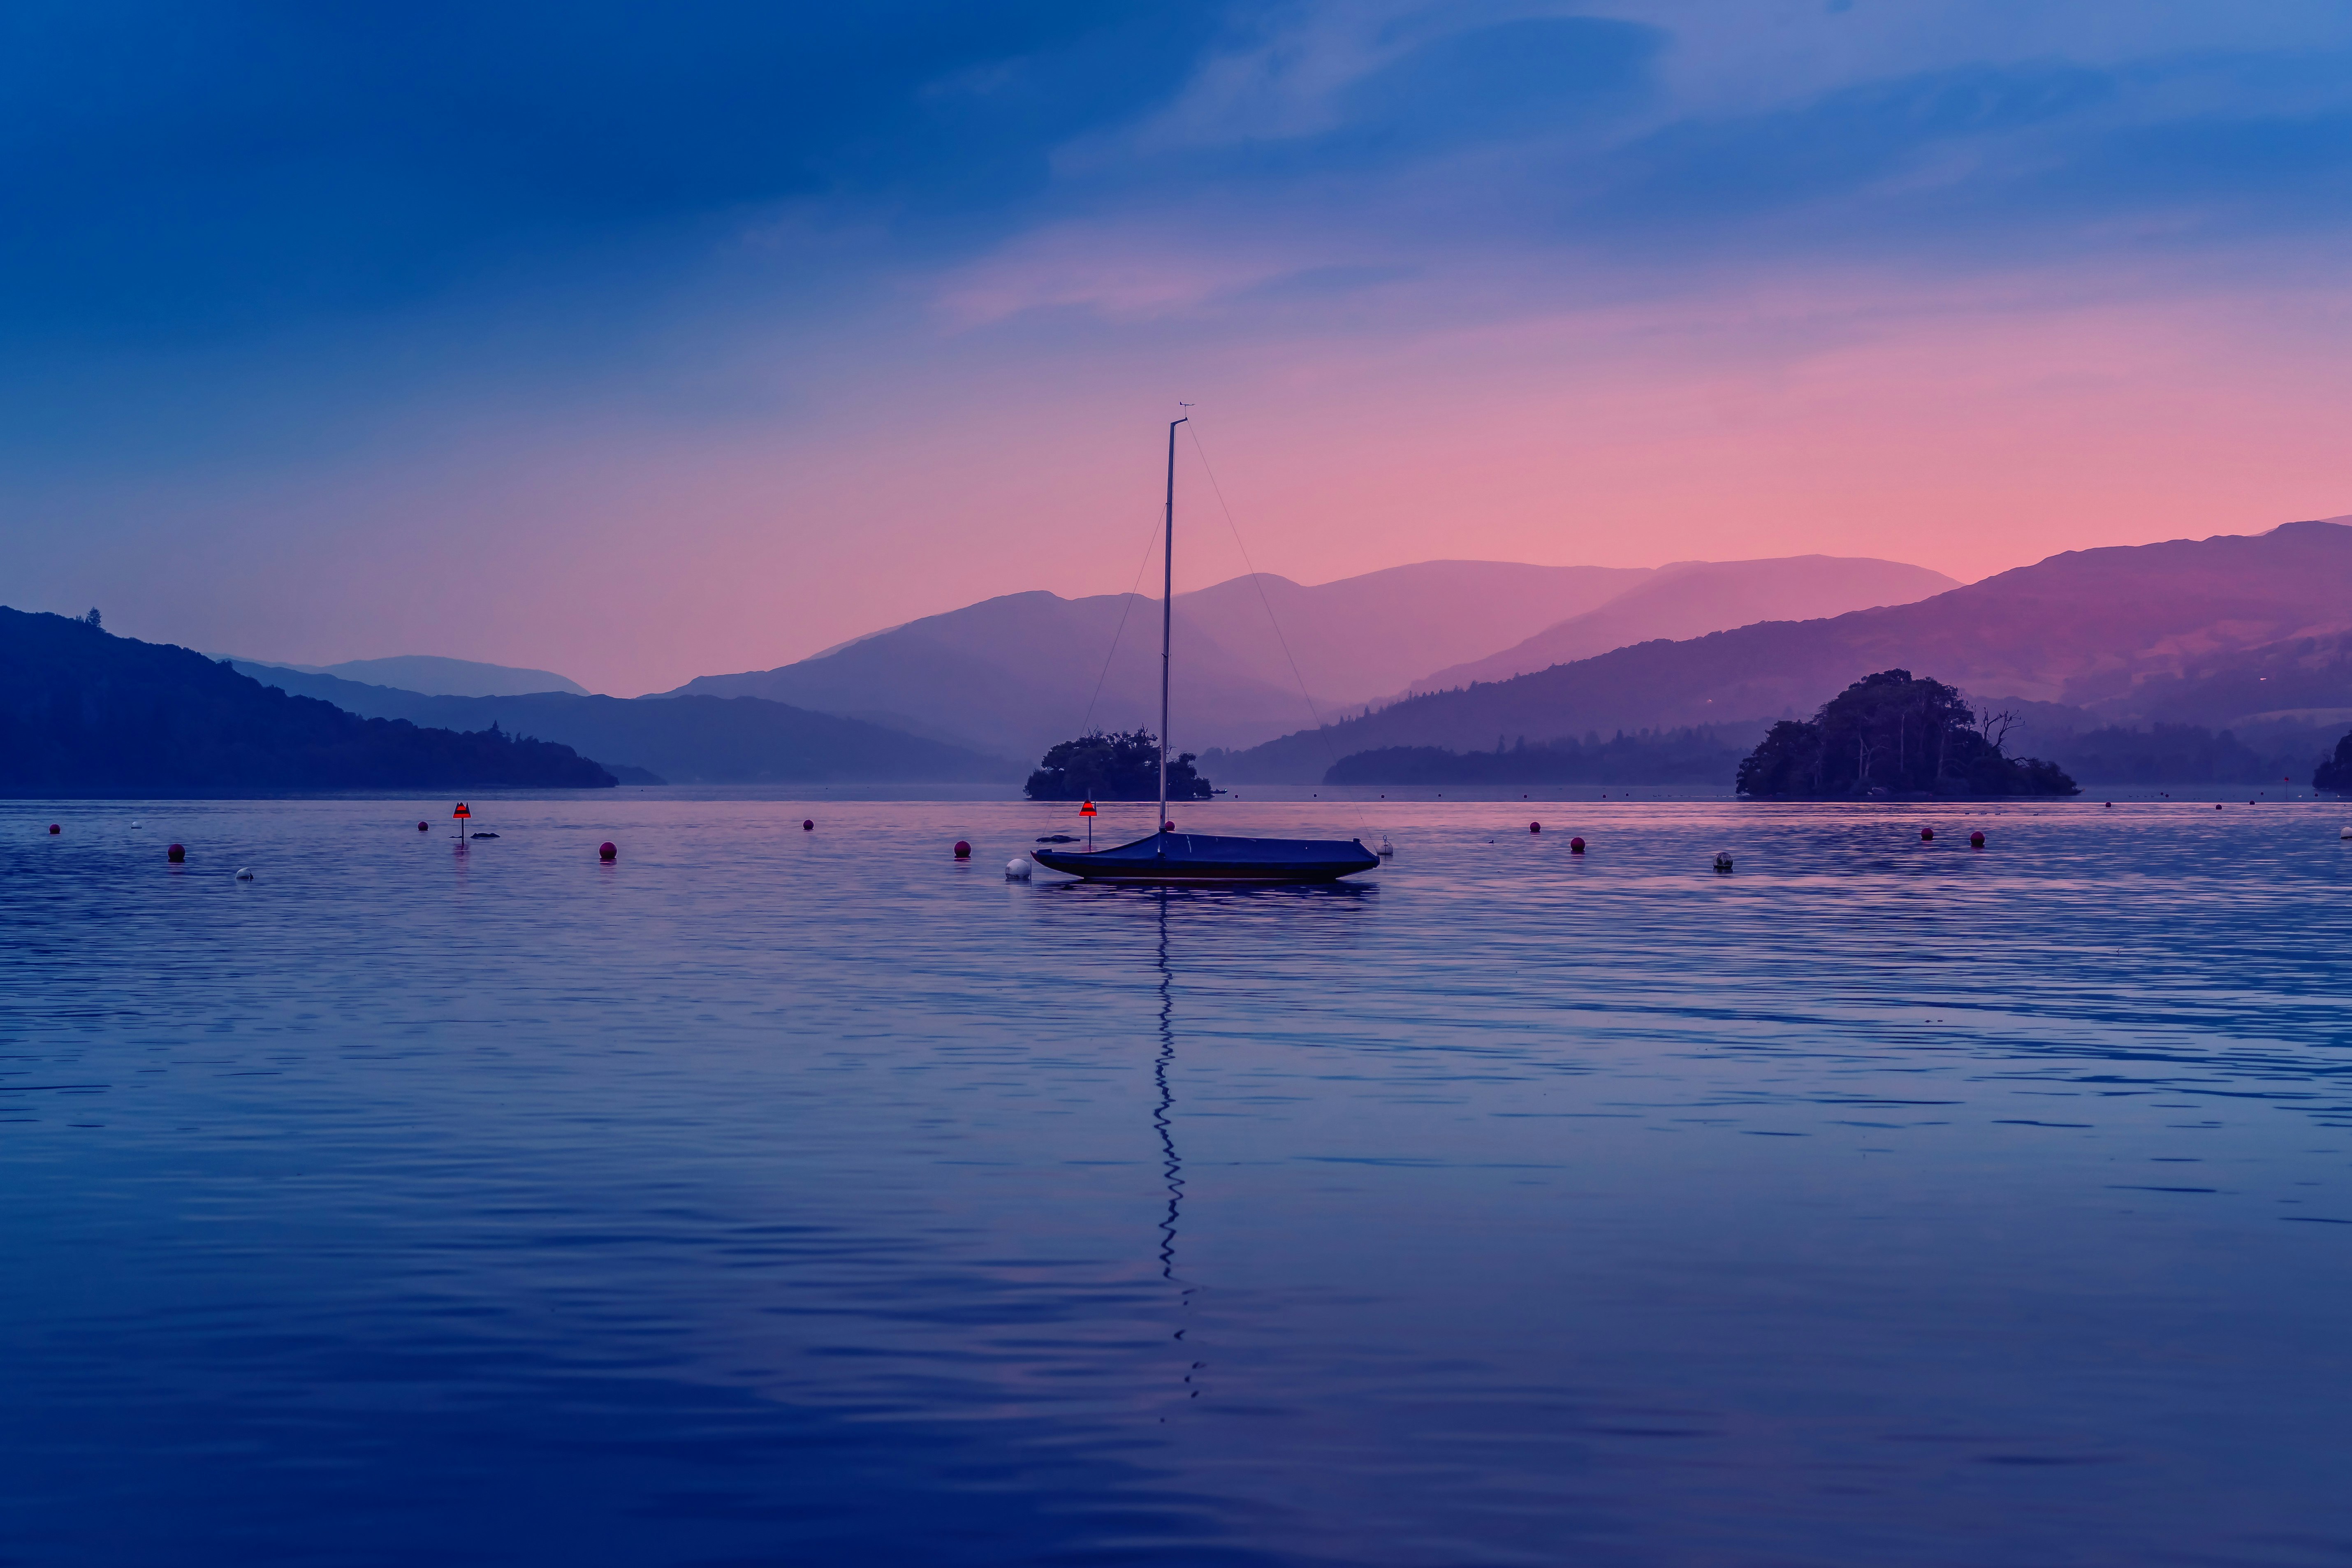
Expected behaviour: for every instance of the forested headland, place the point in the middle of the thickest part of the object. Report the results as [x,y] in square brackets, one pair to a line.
[83,711]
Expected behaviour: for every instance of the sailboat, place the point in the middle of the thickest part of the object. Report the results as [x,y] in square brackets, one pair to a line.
[1170,857]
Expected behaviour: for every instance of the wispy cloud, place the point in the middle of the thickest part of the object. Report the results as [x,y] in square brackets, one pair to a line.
[740,256]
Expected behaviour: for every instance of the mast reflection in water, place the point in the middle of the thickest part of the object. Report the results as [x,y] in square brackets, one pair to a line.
[1171,1164]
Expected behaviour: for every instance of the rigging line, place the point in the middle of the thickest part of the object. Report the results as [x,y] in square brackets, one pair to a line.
[1126,604]
[1330,758]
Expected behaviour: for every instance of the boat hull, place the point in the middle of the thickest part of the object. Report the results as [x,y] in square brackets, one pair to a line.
[1198,859]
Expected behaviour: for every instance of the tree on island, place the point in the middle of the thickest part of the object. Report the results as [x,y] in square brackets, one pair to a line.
[2336,772]
[1888,733]
[1113,767]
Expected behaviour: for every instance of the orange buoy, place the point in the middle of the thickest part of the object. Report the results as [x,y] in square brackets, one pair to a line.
[963,850]
[1167,828]
[1576,846]
[54,829]
[177,855]
[1927,835]
[808,825]
[605,851]
[1976,840]
[1535,827]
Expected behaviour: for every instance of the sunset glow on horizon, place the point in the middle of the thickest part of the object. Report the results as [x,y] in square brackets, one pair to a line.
[704,351]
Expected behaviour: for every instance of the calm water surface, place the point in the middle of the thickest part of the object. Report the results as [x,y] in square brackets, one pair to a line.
[785,1197]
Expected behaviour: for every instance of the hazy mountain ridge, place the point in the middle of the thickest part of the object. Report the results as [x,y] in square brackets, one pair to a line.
[434,675]
[1018,673]
[702,740]
[2121,632]
[1022,671]
[1692,598]
[83,710]
[1366,637]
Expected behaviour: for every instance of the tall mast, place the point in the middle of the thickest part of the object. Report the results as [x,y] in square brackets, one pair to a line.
[1167,610]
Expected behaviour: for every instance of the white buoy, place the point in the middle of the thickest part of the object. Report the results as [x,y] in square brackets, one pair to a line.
[1387,848]
[136,823]
[244,873]
[1017,869]
[1722,860]
[2344,832]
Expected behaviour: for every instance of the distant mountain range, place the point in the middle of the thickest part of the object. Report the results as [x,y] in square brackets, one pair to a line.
[2250,631]
[2232,629]
[438,676]
[82,712]
[1692,598]
[699,740]
[1017,674]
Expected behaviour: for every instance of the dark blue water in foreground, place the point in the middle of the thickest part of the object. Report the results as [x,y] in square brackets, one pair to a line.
[774,1197]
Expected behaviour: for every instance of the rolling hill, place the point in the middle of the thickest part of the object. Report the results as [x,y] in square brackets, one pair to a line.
[1367,638]
[2121,632]
[1692,598]
[436,676]
[83,711]
[1021,672]
[1017,674]
[702,740]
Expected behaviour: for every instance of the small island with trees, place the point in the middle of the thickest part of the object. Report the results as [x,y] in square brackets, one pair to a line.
[1891,735]
[1114,767]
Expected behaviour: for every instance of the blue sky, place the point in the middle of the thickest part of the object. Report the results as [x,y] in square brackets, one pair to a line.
[804,320]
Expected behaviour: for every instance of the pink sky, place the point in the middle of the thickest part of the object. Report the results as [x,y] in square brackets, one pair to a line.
[1963,284]
[1969,436]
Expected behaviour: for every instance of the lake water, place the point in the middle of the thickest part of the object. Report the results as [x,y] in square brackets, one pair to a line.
[774,1196]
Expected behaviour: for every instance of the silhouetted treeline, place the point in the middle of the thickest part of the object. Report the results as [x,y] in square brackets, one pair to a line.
[2335,771]
[2169,755]
[1891,734]
[1697,755]
[1113,767]
[83,711]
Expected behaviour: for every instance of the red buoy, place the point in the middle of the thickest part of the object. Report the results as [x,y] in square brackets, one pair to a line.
[1535,827]
[1926,835]
[1976,840]
[963,850]
[1576,846]
[54,829]
[424,828]
[605,851]
[808,825]
[1167,828]
[177,855]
